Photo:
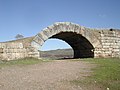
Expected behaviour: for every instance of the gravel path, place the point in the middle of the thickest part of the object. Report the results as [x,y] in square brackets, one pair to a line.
[53,75]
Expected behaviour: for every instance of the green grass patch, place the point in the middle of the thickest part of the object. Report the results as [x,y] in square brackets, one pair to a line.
[25,61]
[106,74]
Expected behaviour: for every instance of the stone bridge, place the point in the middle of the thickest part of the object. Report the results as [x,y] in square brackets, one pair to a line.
[85,42]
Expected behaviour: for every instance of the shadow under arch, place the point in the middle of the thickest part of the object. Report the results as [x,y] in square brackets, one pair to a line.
[81,46]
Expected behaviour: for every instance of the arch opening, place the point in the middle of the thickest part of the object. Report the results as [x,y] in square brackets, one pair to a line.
[81,46]
[81,39]
[54,48]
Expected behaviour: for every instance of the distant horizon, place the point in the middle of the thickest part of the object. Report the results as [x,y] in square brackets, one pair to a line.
[57,49]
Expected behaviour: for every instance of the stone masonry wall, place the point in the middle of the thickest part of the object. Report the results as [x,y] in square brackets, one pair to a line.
[110,41]
[105,42]
[16,50]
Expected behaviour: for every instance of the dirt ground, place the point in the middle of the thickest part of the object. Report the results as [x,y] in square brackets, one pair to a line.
[55,75]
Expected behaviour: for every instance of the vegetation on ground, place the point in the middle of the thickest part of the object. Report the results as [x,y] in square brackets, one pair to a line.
[106,74]
[57,54]
[25,61]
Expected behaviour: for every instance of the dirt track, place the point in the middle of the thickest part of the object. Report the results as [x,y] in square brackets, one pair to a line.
[54,75]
